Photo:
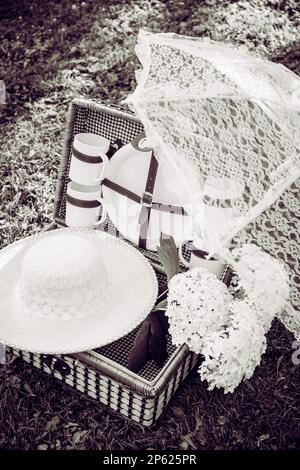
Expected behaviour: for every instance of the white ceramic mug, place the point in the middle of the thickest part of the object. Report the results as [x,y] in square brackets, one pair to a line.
[83,203]
[198,258]
[89,161]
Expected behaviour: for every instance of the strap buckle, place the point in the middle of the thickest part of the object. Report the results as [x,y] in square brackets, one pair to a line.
[146,199]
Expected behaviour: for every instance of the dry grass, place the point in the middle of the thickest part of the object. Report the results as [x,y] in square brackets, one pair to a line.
[54,51]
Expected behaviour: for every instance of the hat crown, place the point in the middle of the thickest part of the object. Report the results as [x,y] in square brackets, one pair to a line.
[63,276]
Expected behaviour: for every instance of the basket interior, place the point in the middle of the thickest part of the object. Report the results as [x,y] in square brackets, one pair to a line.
[102,121]
[119,350]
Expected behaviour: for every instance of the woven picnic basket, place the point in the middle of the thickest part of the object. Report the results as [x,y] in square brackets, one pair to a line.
[103,374]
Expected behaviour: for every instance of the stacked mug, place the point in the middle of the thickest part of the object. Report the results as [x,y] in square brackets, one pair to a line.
[84,194]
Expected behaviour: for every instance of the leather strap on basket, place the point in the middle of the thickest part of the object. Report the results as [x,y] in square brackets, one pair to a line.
[82,203]
[85,158]
[121,190]
[201,254]
[136,198]
[146,201]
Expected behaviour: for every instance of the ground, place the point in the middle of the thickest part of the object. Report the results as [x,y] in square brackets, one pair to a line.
[52,52]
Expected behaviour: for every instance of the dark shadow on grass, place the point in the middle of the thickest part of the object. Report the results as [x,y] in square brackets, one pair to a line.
[289,56]
[37,38]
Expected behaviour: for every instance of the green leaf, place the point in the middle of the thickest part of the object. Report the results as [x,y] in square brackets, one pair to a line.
[139,354]
[168,255]
[158,339]
[151,339]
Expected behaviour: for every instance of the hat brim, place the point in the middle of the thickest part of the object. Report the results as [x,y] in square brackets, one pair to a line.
[133,287]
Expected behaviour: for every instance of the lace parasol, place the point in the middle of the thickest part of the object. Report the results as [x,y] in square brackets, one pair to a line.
[225,127]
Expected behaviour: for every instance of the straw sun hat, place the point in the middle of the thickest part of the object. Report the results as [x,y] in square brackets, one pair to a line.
[72,290]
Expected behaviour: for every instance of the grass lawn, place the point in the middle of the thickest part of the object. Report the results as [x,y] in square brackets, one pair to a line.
[52,52]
